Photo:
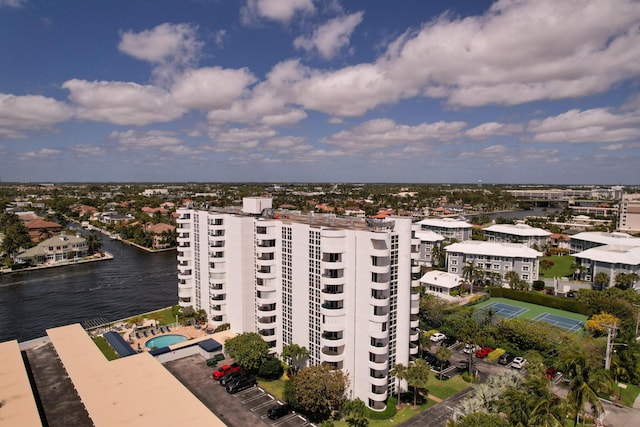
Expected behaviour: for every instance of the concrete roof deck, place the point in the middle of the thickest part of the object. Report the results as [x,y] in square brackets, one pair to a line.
[135,390]
[18,402]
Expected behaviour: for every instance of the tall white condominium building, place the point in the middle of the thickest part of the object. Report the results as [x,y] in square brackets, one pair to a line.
[345,288]
[629,209]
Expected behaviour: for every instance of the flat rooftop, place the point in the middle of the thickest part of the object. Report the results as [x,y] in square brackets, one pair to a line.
[18,402]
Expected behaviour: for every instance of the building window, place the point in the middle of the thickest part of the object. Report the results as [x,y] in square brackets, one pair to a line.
[454,269]
[496,266]
[525,268]
[525,277]
[454,262]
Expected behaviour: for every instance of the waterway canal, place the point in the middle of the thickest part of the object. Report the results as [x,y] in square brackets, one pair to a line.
[134,282]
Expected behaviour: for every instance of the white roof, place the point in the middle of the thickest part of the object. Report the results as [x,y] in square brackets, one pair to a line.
[428,236]
[613,254]
[441,278]
[523,230]
[608,238]
[479,247]
[445,223]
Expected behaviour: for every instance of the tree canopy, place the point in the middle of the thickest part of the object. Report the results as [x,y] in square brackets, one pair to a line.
[248,349]
[319,390]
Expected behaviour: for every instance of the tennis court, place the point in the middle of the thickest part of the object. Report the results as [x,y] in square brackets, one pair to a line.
[560,321]
[503,310]
[511,309]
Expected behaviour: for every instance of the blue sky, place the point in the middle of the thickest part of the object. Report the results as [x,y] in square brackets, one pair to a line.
[511,91]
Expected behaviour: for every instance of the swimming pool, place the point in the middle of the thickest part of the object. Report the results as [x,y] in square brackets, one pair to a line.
[165,340]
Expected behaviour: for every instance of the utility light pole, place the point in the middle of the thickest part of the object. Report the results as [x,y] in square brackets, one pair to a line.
[611,335]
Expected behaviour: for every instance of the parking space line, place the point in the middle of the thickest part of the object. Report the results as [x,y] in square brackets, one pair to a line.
[285,419]
[253,398]
[262,405]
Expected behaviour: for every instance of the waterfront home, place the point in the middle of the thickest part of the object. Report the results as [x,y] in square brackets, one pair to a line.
[57,249]
[159,239]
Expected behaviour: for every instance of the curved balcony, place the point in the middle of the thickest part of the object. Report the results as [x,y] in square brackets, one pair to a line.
[379,397]
[267,333]
[184,302]
[184,268]
[332,297]
[415,296]
[379,286]
[380,350]
[182,238]
[220,268]
[266,298]
[376,332]
[415,269]
[413,349]
[332,354]
[183,256]
[265,275]
[329,340]
[414,323]
[267,322]
[185,275]
[379,315]
[216,242]
[378,381]
[332,290]
[332,265]
[331,309]
[266,254]
[334,324]
[379,269]
[414,309]
[271,263]
[266,243]
[379,302]
[184,293]
[379,252]
[217,292]
[267,309]
[380,365]
[414,334]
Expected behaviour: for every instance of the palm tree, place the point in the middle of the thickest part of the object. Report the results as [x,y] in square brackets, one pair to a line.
[583,384]
[93,243]
[295,356]
[417,376]
[400,372]
[469,273]
[443,354]
[601,280]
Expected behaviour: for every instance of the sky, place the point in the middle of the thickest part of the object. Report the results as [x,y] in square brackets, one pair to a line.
[417,91]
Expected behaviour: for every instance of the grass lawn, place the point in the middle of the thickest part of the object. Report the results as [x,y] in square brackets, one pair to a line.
[561,267]
[105,348]
[407,412]
[534,310]
[629,394]
[275,387]
[446,388]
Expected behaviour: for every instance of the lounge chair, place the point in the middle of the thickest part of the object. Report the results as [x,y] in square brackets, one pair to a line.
[152,332]
[137,334]
[145,334]
[168,328]
[162,329]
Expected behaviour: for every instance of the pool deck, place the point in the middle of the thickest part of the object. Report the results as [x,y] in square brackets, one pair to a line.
[191,332]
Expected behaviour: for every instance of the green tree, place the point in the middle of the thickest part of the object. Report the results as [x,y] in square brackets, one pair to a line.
[442,354]
[601,280]
[472,273]
[354,413]
[438,255]
[399,371]
[319,390]
[271,368]
[248,349]
[626,281]
[295,356]
[479,419]
[417,376]
[584,382]
[93,243]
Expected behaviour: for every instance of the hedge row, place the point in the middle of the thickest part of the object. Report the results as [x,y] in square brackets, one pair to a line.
[565,304]
[388,412]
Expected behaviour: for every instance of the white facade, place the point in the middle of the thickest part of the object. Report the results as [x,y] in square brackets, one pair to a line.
[629,219]
[449,228]
[441,283]
[587,240]
[341,287]
[517,233]
[494,257]
[428,240]
[609,259]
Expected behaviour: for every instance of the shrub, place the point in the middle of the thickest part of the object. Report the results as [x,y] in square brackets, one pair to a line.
[271,369]
[388,412]
[538,285]
[431,332]
[478,299]
[541,299]
[495,355]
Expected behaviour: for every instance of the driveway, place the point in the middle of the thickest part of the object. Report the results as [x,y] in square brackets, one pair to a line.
[246,408]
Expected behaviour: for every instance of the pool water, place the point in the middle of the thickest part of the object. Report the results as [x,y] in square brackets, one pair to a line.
[165,340]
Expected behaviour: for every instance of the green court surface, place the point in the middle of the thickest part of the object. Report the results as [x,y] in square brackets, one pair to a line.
[523,310]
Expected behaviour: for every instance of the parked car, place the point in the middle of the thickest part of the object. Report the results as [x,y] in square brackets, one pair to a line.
[470,348]
[448,341]
[506,358]
[430,358]
[224,370]
[571,294]
[230,376]
[483,352]
[439,366]
[277,411]
[241,383]
[437,337]
[550,291]
[518,363]
[551,372]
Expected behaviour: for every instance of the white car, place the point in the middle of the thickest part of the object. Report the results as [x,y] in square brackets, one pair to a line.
[437,337]
[518,363]
[470,348]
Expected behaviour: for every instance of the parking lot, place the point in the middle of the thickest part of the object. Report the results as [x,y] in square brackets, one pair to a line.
[246,408]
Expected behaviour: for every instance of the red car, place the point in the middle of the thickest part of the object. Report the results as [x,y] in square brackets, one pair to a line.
[224,370]
[483,352]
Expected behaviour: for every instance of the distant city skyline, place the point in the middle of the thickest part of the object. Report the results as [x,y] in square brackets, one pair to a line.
[467,91]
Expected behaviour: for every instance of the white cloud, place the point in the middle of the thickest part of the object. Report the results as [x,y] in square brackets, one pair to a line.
[275,10]
[330,37]
[19,114]
[43,153]
[381,133]
[170,47]
[88,151]
[16,4]
[144,140]
[595,125]
[210,88]
[122,103]
[517,52]
[491,129]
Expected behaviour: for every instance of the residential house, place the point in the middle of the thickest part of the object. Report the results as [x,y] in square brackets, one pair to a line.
[441,284]
[62,248]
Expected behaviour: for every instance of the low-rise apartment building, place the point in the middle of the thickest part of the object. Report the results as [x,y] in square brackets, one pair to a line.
[518,233]
[449,228]
[609,259]
[494,257]
[345,288]
[629,216]
[592,239]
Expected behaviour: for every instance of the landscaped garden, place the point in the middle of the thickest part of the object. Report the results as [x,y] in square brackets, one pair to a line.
[556,266]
